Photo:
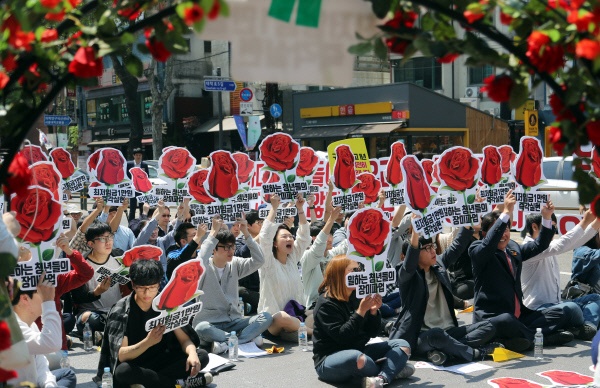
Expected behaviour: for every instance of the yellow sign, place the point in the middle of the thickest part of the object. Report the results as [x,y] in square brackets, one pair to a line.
[531,123]
[359,149]
[347,110]
[520,111]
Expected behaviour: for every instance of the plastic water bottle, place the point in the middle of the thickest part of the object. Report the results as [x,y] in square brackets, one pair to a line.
[303,337]
[64,359]
[233,347]
[241,306]
[88,345]
[538,350]
[107,379]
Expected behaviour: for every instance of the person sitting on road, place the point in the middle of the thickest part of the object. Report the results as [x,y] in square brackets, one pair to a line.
[123,236]
[94,299]
[220,315]
[249,286]
[188,239]
[29,306]
[344,325]
[154,358]
[427,319]
[279,277]
[320,252]
[497,263]
[540,278]
[586,263]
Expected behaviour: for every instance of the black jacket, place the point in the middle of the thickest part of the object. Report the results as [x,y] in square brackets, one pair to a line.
[338,327]
[495,285]
[414,292]
[143,166]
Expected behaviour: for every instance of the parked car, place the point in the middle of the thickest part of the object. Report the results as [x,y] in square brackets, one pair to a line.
[561,187]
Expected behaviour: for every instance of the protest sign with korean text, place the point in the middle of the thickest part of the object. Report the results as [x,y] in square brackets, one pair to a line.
[394,193]
[369,233]
[65,166]
[529,175]
[175,166]
[182,287]
[281,155]
[29,272]
[344,179]
[108,172]
[142,184]
[419,197]
[120,275]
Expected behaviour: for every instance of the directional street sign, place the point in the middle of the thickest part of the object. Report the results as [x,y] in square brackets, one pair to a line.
[246,108]
[219,86]
[57,120]
[275,110]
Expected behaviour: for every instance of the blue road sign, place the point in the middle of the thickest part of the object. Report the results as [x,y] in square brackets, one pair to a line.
[246,95]
[57,120]
[219,86]
[275,110]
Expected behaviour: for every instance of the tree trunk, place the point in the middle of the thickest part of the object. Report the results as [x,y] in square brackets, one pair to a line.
[130,89]
[159,97]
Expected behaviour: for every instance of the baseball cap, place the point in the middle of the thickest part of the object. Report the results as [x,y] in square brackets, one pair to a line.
[71,208]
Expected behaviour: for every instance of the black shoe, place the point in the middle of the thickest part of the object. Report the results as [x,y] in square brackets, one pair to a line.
[389,326]
[200,380]
[517,344]
[584,332]
[436,357]
[558,339]
[486,350]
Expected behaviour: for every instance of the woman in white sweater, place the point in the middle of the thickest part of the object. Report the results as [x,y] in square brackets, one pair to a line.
[279,276]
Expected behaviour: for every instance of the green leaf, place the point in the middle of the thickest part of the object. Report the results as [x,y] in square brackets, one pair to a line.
[241,191]
[381,50]
[379,266]
[447,188]
[291,178]
[431,198]
[47,254]
[381,7]
[542,182]
[181,185]
[224,8]
[54,233]
[125,272]
[554,35]
[362,48]
[134,65]
[354,253]
[471,199]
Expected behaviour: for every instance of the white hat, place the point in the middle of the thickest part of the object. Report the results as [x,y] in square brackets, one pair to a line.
[71,208]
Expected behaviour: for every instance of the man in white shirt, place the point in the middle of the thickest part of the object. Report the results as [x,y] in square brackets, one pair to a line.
[30,305]
[540,276]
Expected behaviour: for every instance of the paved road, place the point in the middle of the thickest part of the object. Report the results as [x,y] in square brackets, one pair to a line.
[294,368]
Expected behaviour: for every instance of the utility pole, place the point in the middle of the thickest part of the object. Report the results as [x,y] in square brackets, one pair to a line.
[217,72]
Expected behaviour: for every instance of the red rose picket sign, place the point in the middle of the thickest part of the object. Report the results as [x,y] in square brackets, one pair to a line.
[528,169]
[175,166]
[45,174]
[222,176]
[245,168]
[344,171]
[140,180]
[308,162]
[508,157]
[418,195]
[369,233]
[197,187]
[491,169]
[34,154]
[63,162]
[393,171]
[121,274]
[108,176]
[369,185]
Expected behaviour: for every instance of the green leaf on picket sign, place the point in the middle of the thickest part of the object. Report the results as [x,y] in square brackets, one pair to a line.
[379,266]
[291,178]
[362,48]
[180,185]
[354,253]
[47,254]
[471,199]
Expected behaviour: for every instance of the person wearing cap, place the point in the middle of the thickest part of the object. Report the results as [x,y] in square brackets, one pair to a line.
[249,286]
[75,213]
[136,162]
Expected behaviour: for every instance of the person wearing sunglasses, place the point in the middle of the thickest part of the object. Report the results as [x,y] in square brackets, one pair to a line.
[427,319]
[220,315]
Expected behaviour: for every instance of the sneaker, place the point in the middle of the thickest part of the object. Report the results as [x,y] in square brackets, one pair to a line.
[558,339]
[389,326]
[436,357]
[517,344]
[98,338]
[373,382]
[200,380]
[486,350]
[585,332]
[219,347]
[258,341]
[69,343]
[406,372]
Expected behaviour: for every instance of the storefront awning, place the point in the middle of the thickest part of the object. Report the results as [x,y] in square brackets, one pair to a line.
[212,125]
[324,132]
[376,129]
[98,143]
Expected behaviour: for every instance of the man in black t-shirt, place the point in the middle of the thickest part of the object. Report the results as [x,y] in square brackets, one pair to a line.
[155,358]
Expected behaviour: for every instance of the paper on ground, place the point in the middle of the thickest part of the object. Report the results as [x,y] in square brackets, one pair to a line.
[250,350]
[462,369]
[213,362]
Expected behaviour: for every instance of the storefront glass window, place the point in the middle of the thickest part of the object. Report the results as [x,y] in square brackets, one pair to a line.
[435,144]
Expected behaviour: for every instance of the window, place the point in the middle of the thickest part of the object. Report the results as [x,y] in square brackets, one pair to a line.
[426,72]
[207,47]
[550,169]
[478,74]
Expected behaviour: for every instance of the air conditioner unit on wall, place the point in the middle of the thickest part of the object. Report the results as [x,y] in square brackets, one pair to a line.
[472,91]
